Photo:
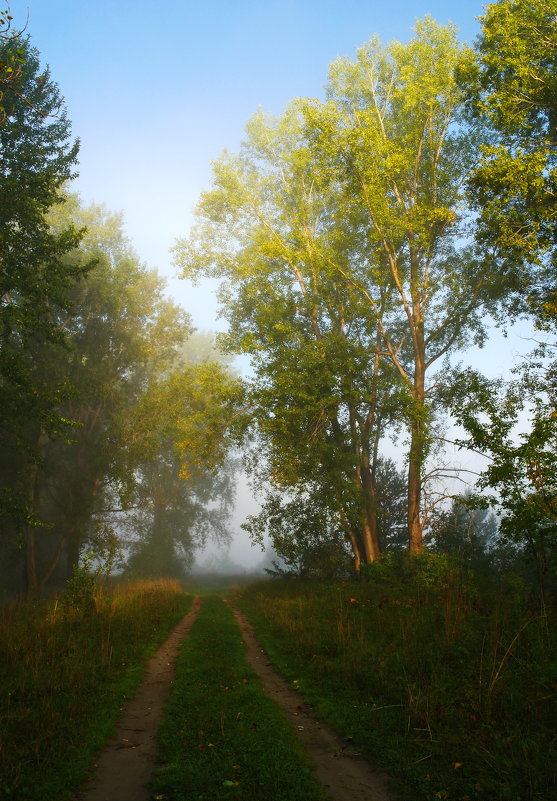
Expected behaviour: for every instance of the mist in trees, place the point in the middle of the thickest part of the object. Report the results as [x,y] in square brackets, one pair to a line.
[362,242]
[90,346]
[114,463]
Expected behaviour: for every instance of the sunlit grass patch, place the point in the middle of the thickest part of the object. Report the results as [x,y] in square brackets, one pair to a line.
[223,738]
[64,673]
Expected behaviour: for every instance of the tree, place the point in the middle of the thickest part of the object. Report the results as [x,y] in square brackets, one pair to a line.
[170,518]
[320,401]
[463,529]
[391,135]
[181,440]
[513,91]
[309,533]
[36,157]
[515,427]
[147,409]
[338,232]
[119,332]
[512,87]
[392,495]
[11,60]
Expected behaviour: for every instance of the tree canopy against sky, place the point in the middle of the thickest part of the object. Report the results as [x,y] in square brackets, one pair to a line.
[37,155]
[223,61]
[338,232]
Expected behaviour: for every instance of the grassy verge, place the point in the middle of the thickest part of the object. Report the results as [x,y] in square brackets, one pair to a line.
[452,691]
[64,672]
[222,737]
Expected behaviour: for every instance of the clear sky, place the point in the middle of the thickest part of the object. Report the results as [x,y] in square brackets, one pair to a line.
[155,90]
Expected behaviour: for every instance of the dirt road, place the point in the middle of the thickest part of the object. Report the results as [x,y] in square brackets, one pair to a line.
[127,763]
[338,766]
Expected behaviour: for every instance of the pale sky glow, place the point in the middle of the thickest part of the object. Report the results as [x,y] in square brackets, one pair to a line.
[156,90]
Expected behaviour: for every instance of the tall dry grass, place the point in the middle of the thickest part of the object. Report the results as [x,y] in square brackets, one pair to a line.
[448,682]
[65,667]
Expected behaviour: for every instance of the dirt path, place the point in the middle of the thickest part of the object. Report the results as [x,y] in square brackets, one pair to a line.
[338,766]
[126,764]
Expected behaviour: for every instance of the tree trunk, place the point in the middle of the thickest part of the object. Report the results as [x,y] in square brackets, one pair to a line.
[416,457]
[30,530]
[31,581]
[415,534]
[370,528]
[72,554]
[355,551]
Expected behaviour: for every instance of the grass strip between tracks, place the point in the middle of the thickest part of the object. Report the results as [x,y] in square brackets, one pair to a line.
[222,737]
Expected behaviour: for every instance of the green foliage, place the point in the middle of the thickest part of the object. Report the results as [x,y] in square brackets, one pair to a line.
[223,738]
[515,426]
[286,307]
[514,93]
[36,157]
[181,434]
[118,331]
[310,537]
[335,232]
[463,530]
[79,594]
[135,413]
[304,534]
[441,677]
[63,678]
[390,135]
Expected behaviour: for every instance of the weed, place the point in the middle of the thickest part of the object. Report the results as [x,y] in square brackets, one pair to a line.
[65,669]
[443,682]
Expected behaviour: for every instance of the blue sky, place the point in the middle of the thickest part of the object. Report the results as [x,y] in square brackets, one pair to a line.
[156,90]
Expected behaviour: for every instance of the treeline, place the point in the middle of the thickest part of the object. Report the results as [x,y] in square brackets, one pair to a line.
[365,239]
[361,241]
[102,385]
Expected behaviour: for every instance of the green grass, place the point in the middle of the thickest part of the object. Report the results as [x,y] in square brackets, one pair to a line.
[222,738]
[450,690]
[64,673]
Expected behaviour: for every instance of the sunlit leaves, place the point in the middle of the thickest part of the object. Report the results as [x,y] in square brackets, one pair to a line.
[515,93]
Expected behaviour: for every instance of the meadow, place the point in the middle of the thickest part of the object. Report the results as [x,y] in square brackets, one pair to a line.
[444,680]
[66,666]
[441,678]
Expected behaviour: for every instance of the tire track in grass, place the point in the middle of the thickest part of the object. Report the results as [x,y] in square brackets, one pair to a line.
[338,766]
[125,766]
[223,738]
